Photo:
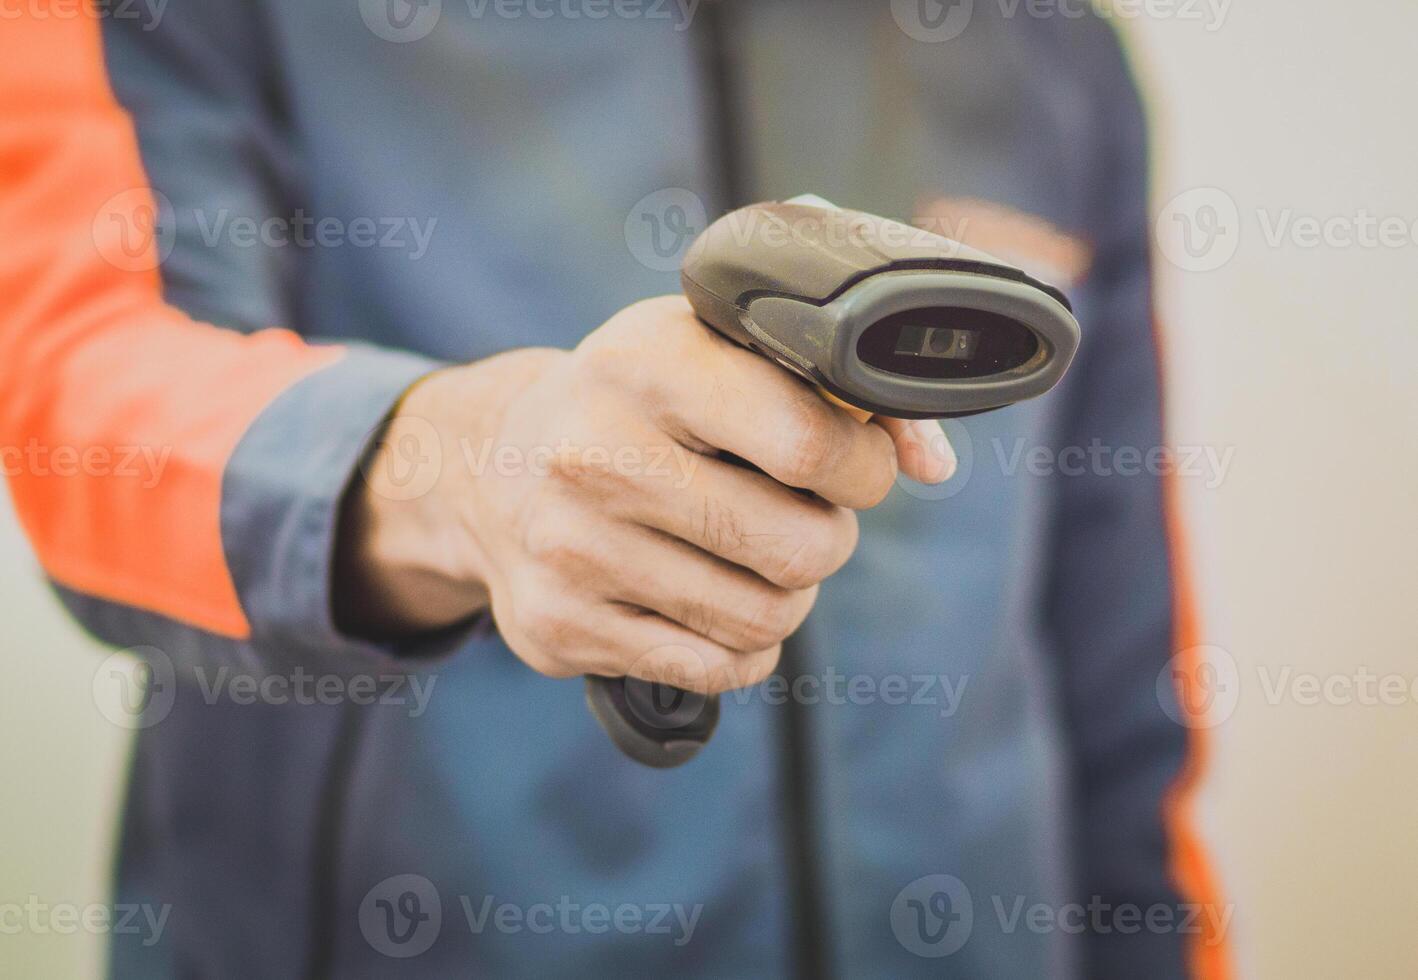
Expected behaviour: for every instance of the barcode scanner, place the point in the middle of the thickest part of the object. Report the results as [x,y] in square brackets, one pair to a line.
[884,319]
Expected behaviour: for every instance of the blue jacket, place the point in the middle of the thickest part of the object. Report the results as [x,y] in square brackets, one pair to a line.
[1003,747]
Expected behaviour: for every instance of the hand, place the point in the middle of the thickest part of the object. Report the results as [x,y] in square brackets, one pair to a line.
[581,497]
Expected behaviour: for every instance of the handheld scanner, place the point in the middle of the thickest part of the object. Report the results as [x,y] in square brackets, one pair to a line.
[884,318]
[888,318]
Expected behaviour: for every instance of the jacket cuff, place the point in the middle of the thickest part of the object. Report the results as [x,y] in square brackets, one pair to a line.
[281,498]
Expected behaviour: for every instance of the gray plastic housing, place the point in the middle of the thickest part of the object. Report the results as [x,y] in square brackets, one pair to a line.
[800,282]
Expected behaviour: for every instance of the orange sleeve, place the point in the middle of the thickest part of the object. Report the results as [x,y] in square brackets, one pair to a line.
[100,380]
[1208,953]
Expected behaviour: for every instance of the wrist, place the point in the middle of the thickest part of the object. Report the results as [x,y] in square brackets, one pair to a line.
[406,562]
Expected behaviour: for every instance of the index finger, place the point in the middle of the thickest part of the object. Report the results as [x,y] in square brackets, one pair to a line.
[739,402]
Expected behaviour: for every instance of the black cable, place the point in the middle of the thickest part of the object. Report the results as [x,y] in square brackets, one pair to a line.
[808,914]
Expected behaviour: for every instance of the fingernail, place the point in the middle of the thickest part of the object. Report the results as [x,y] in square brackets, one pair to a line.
[928,434]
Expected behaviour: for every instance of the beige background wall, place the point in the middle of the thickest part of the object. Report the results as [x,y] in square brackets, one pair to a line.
[61,770]
[1305,360]
[1298,359]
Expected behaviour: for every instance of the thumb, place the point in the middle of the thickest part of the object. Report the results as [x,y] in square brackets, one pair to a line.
[922,450]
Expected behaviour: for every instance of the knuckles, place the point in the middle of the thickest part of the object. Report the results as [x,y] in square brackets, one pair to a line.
[815,443]
[803,564]
[609,361]
[550,541]
[700,615]
[642,343]
[881,474]
[771,619]
[546,628]
[809,443]
[539,634]
[814,552]
[721,527]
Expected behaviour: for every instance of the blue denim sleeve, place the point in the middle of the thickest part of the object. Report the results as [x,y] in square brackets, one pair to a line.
[281,496]
[216,151]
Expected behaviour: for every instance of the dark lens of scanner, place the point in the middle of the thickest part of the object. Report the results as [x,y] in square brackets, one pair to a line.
[947,343]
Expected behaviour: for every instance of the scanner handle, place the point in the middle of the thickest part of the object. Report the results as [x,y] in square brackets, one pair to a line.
[655,724]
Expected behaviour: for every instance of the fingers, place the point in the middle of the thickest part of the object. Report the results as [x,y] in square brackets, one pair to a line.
[922,450]
[792,540]
[656,649]
[598,597]
[690,576]
[572,637]
[750,407]
[712,394]
[707,595]
[615,562]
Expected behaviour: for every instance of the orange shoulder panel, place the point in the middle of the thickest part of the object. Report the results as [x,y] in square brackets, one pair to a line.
[118,414]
